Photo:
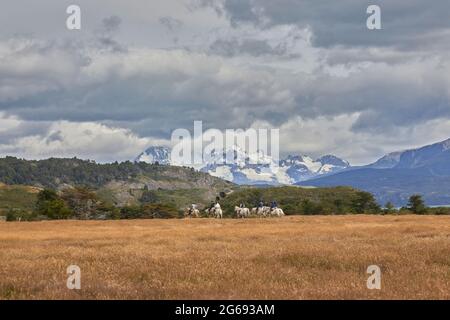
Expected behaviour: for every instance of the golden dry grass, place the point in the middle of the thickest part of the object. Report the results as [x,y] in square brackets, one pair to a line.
[321,257]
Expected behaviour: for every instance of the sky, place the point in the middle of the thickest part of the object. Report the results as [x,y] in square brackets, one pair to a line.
[139,69]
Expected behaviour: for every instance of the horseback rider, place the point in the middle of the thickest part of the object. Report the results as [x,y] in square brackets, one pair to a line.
[260,204]
[273,205]
[212,204]
[192,208]
[241,205]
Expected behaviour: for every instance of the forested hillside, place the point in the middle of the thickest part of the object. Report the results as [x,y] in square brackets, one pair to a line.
[53,173]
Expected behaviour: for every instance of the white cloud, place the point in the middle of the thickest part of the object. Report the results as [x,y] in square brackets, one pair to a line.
[86,140]
[358,98]
[334,135]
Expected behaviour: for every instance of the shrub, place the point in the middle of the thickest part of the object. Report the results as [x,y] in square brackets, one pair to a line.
[82,201]
[161,211]
[149,211]
[11,216]
[51,205]
[130,212]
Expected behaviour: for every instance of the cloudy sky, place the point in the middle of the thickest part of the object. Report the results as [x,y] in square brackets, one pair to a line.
[138,69]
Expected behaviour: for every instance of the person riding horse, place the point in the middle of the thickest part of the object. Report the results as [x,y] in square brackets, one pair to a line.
[192,209]
[273,205]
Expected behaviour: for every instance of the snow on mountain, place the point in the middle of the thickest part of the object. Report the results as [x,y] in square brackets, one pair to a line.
[159,155]
[333,161]
[240,167]
[428,155]
[388,161]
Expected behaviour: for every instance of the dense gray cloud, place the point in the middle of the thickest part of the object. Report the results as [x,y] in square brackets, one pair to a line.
[139,84]
[111,24]
[171,24]
[105,35]
[288,64]
[236,47]
[411,24]
[94,85]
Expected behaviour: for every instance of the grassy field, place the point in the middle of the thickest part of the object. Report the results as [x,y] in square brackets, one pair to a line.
[313,257]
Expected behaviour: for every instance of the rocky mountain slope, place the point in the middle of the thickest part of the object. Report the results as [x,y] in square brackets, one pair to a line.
[398,175]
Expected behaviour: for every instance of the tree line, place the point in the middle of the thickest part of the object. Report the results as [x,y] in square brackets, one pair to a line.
[82,203]
[416,205]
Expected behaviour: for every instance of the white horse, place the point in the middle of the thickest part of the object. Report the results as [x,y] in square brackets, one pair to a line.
[215,212]
[277,212]
[218,211]
[263,211]
[242,212]
[191,213]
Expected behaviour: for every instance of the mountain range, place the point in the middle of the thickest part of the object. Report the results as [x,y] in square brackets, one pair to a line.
[289,170]
[394,177]
[398,175]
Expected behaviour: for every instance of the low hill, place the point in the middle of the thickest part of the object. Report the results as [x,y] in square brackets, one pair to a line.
[54,172]
[119,183]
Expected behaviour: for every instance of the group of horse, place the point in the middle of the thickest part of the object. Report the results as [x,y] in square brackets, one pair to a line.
[261,212]
[217,213]
[214,212]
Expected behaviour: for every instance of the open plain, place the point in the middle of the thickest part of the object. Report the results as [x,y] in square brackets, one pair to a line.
[295,257]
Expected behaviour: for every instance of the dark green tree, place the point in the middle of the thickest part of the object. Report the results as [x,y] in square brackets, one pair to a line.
[364,202]
[339,206]
[416,204]
[389,207]
[51,205]
[47,195]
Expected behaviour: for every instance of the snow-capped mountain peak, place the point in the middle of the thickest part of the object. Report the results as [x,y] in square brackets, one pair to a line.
[237,165]
[415,158]
[155,154]
[333,161]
